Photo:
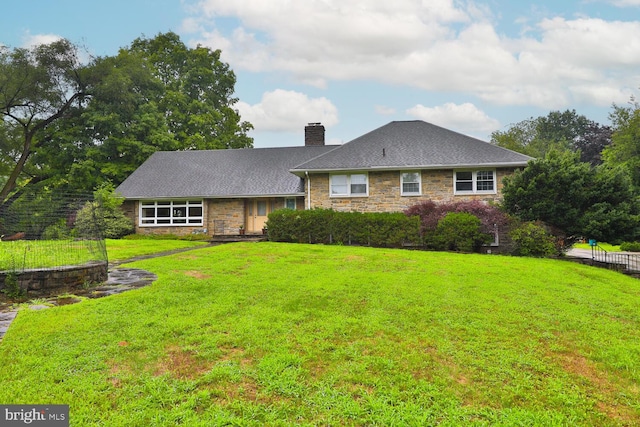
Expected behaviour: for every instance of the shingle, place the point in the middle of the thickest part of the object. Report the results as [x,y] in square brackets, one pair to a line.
[407,144]
[219,173]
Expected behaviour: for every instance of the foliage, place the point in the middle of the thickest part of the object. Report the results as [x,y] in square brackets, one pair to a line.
[278,334]
[329,226]
[103,216]
[57,231]
[630,246]
[625,149]
[76,126]
[430,213]
[531,239]
[12,287]
[460,231]
[38,87]
[574,197]
[565,130]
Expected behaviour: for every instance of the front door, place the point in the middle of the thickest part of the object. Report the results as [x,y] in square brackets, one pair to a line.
[257,211]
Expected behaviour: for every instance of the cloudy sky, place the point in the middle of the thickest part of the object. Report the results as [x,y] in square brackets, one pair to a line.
[354,65]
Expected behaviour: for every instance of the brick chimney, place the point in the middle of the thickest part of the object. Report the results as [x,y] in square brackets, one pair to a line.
[314,135]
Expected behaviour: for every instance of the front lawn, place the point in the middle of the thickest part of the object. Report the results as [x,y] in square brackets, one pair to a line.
[25,254]
[284,334]
[123,249]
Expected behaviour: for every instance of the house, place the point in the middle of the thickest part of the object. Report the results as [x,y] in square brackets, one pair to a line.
[393,167]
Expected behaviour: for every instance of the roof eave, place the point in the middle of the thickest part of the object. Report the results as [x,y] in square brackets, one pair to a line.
[220,196]
[302,172]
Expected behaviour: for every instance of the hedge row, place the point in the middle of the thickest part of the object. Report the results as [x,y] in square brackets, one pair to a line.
[350,228]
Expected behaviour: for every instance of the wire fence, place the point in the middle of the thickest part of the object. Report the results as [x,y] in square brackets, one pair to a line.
[50,231]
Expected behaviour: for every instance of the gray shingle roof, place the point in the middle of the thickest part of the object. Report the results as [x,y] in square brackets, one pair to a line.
[219,173]
[413,144]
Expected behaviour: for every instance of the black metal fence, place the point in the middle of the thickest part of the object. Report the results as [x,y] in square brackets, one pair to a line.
[620,261]
[50,231]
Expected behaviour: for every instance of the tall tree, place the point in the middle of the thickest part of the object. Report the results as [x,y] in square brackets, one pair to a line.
[564,130]
[575,197]
[198,93]
[625,148]
[38,86]
[83,125]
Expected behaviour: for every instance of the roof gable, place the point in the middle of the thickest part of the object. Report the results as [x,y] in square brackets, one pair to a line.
[413,144]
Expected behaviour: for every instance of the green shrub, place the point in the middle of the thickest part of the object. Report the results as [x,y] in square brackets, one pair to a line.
[103,217]
[530,239]
[630,247]
[331,227]
[460,231]
[57,231]
[12,287]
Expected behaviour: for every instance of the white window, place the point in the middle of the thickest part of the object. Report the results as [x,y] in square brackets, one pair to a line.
[410,184]
[475,182]
[179,213]
[349,185]
[290,203]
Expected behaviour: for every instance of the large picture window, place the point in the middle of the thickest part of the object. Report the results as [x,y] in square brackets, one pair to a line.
[475,182]
[356,184]
[410,183]
[181,213]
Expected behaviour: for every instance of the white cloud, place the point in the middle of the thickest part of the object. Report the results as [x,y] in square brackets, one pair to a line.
[282,110]
[441,45]
[625,3]
[464,118]
[30,40]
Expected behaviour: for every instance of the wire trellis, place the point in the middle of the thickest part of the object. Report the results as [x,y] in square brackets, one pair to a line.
[50,231]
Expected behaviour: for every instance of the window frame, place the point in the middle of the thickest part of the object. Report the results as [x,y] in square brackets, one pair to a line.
[474,182]
[402,182]
[349,184]
[178,213]
[290,199]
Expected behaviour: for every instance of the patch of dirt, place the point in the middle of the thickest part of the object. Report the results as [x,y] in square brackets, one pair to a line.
[181,364]
[197,274]
[604,389]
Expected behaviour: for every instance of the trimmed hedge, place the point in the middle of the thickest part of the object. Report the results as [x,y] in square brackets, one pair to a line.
[349,228]
[630,246]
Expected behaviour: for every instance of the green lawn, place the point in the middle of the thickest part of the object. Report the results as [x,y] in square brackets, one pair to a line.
[122,249]
[606,246]
[283,334]
[21,254]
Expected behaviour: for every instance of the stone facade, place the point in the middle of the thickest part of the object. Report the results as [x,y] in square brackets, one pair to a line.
[226,216]
[385,195]
[221,217]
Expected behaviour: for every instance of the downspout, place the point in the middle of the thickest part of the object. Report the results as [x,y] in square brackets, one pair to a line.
[308,190]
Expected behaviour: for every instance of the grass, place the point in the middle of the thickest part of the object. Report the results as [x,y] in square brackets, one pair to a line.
[19,254]
[606,246]
[277,334]
[122,249]
[22,254]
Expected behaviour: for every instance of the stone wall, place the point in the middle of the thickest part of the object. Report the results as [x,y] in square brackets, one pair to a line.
[384,192]
[224,216]
[221,217]
[44,282]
